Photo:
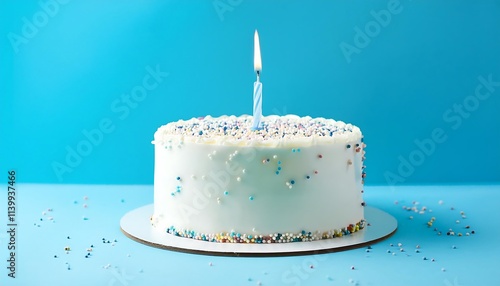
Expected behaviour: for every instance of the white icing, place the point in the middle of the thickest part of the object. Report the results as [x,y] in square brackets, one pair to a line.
[213,183]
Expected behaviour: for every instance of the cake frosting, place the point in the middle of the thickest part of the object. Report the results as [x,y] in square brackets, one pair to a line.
[296,179]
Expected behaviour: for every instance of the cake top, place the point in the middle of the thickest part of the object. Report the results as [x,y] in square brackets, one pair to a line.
[276,130]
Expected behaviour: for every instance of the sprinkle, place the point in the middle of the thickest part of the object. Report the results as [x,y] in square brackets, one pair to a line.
[178,178]
[348,146]
[320,156]
[226,193]
[292,182]
[250,198]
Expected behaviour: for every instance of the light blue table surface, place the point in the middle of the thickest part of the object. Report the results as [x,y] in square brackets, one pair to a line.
[450,260]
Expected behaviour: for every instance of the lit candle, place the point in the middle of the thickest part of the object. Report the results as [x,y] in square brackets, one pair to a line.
[257,86]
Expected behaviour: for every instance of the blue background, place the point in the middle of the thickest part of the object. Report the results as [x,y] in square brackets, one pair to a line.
[82,56]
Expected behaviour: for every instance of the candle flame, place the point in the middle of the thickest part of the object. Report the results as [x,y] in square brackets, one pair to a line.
[257,61]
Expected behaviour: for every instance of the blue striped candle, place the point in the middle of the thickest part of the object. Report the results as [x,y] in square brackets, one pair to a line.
[257,86]
[257,105]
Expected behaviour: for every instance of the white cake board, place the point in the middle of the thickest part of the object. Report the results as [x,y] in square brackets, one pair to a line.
[137,226]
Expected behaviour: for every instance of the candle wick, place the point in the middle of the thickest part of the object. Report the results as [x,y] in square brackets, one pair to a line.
[258,75]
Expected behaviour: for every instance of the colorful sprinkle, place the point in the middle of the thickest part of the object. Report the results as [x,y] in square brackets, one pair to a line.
[233,237]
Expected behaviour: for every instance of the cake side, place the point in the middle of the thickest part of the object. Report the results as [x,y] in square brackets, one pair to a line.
[297,179]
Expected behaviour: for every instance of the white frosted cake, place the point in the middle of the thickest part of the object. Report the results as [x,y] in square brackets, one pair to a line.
[296,179]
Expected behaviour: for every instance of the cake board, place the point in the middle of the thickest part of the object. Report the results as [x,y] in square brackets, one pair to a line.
[137,226]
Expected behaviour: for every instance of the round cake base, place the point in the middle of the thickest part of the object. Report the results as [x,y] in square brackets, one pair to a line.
[137,226]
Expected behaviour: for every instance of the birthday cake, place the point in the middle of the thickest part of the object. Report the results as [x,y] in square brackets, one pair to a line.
[295,179]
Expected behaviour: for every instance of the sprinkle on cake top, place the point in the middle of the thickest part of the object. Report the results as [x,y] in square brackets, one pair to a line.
[275,130]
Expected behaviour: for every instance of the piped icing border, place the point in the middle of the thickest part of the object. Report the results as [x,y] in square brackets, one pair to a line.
[276,131]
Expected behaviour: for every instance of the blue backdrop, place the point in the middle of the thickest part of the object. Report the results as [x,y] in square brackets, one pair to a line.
[85,84]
